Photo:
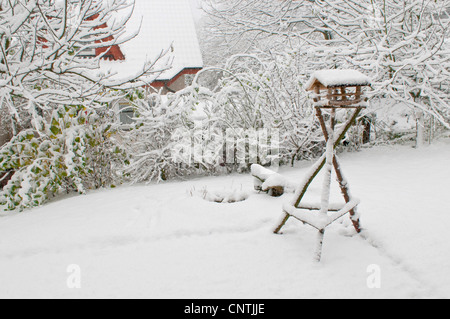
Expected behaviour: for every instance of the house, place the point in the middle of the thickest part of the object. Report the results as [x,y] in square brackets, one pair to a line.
[160,25]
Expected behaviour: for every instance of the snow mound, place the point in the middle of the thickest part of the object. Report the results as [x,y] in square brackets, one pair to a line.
[222,196]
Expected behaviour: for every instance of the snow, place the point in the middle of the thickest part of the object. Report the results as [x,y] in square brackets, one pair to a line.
[332,78]
[321,220]
[159,241]
[162,24]
[264,179]
[221,195]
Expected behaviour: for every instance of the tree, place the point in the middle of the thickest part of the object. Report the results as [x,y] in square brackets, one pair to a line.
[64,135]
[41,54]
[402,45]
[261,95]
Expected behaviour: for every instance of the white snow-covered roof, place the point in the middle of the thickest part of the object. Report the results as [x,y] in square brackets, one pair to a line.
[334,78]
[162,24]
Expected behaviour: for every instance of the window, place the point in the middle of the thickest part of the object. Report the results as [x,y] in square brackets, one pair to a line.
[126,113]
[88,53]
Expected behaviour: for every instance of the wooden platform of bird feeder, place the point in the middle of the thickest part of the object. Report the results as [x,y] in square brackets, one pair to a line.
[334,91]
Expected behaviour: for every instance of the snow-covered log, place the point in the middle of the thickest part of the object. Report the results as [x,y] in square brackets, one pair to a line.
[269,181]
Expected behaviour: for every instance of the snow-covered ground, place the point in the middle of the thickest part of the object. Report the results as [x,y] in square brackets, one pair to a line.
[172,241]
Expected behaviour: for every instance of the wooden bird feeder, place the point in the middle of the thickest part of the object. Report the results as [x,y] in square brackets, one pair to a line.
[334,90]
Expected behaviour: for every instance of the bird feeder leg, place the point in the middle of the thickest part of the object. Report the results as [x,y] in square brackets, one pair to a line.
[343,184]
[318,253]
[282,223]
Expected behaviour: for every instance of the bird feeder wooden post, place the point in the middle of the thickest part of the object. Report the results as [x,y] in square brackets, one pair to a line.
[334,91]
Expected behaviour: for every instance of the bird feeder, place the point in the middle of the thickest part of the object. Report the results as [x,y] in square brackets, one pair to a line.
[334,91]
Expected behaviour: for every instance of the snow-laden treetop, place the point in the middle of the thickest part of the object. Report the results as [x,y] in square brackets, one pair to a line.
[335,78]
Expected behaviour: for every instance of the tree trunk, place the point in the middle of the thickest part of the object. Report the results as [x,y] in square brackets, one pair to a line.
[420,129]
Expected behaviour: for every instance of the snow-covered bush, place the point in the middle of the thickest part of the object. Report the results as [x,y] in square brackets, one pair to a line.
[74,150]
[226,195]
[174,135]
[150,143]
[190,132]
[265,93]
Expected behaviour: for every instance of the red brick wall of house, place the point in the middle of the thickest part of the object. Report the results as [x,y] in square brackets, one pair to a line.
[169,83]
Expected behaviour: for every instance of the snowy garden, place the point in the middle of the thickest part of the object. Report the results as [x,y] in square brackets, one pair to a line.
[307,157]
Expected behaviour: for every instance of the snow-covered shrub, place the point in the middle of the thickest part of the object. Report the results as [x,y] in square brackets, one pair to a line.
[176,135]
[150,143]
[74,150]
[226,195]
[266,93]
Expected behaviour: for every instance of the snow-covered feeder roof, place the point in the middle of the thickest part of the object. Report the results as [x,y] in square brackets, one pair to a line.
[337,78]
[162,24]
